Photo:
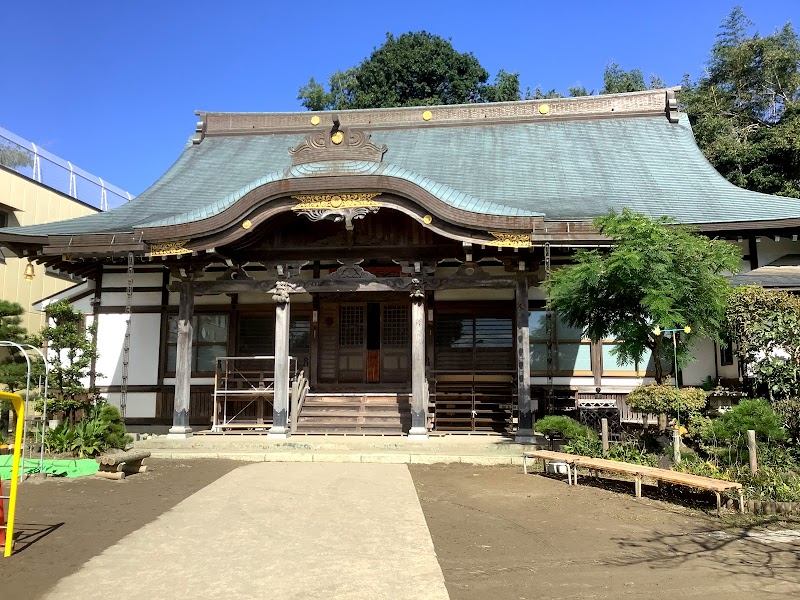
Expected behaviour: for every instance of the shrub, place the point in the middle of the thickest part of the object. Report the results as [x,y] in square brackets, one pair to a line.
[101,430]
[588,446]
[115,433]
[89,438]
[656,399]
[789,411]
[631,453]
[749,414]
[567,427]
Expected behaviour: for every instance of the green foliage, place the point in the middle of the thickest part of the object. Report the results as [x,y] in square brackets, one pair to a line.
[749,414]
[567,427]
[58,440]
[100,430]
[657,273]
[413,69]
[789,411]
[14,158]
[765,327]
[631,452]
[115,435]
[774,483]
[72,351]
[13,367]
[617,80]
[745,109]
[657,399]
[89,438]
[585,446]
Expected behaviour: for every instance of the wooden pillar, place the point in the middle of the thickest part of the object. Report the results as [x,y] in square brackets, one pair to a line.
[525,404]
[183,364]
[280,410]
[419,383]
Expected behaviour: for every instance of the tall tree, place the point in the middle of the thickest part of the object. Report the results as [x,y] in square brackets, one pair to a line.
[658,273]
[71,350]
[413,69]
[745,110]
[13,366]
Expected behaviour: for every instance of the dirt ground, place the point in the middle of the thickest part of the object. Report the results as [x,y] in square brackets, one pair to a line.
[62,523]
[498,534]
[502,535]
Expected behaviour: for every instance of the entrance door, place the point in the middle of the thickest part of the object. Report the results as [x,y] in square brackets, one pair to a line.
[365,342]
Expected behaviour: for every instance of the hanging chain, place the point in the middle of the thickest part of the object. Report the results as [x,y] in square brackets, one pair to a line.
[126,345]
[549,332]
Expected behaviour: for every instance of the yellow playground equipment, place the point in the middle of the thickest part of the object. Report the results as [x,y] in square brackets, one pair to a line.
[8,529]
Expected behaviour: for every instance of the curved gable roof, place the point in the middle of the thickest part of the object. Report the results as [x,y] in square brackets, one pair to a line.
[563,166]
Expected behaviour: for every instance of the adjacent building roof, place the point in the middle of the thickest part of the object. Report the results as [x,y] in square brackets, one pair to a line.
[565,159]
[783,273]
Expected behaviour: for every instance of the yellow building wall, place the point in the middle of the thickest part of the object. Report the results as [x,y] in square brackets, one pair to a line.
[30,203]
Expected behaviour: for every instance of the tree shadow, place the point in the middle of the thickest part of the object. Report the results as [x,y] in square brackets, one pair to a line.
[750,550]
[27,534]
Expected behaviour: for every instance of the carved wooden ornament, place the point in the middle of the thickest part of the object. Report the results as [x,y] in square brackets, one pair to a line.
[169,248]
[510,240]
[342,144]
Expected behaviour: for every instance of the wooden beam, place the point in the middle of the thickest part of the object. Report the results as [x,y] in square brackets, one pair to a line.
[328,284]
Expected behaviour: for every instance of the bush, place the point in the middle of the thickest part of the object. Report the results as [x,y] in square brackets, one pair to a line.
[96,433]
[588,446]
[749,414]
[789,411]
[631,453]
[115,435]
[656,399]
[568,428]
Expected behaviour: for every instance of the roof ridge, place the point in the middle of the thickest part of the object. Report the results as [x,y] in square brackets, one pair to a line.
[629,103]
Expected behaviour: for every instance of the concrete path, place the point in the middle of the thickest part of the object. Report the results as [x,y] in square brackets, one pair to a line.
[277,530]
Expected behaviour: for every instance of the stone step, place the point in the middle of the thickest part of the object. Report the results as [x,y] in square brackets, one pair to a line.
[338,418]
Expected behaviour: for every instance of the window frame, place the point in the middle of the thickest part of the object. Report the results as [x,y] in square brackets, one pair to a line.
[196,343]
[557,370]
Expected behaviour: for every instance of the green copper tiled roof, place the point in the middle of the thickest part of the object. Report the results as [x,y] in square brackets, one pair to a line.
[564,170]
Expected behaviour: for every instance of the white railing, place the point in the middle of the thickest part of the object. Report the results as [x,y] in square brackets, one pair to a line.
[30,160]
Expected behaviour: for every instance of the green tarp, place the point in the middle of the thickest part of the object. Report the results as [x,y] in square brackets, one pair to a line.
[61,468]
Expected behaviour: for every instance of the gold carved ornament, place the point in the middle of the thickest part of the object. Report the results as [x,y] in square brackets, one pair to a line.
[510,240]
[169,248]
[336,201]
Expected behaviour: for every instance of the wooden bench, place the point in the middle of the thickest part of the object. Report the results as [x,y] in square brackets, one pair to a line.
[117,466]
[547,456]
[638,472]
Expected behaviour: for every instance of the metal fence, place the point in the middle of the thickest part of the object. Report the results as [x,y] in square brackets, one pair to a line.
[28,159]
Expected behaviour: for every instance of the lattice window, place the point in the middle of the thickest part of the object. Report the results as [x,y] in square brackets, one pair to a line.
[395,325]
[351,325]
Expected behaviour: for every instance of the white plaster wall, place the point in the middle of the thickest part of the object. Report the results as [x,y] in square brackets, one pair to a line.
[144,348]
[770,250]
[138,299]
[703,365]
[194,381]
[149,279]
[140,405]
[84,305]
[729,371]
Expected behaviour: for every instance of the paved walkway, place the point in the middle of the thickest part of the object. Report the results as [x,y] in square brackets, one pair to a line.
[277,530]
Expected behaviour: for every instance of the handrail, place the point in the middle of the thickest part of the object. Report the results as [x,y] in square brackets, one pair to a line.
[227,379]
[299,392]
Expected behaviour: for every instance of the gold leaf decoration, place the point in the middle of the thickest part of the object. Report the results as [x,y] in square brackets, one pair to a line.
[510,240]
[336,201]
[169,248]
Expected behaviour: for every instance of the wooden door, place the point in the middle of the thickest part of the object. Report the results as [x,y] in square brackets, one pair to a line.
[352,343]
[395,343]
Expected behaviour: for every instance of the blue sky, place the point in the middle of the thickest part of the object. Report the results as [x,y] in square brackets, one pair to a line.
[112,86]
